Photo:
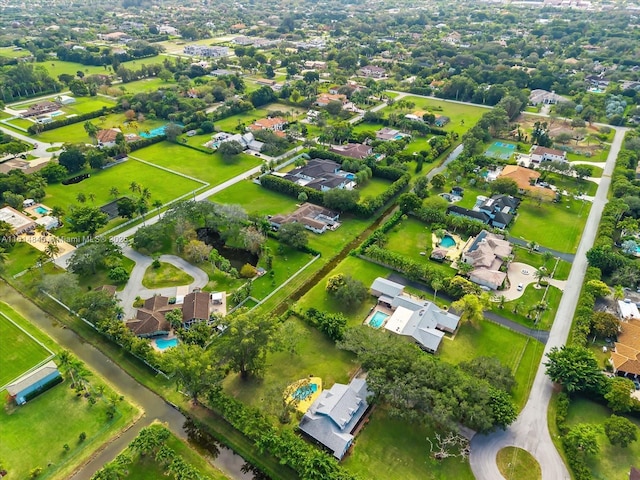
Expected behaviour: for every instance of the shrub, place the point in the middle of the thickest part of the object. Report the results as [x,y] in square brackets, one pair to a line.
[248,271]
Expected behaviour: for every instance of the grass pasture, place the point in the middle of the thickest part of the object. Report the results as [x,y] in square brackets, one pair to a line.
[58,67]
[255,199]
[25,352]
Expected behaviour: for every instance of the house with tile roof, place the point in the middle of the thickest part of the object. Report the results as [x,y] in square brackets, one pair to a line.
[332,418]
[352,150]
[275,124]
[486,253]
[107,138]
[625,357]
[543,154]
[526,179]
[321,174]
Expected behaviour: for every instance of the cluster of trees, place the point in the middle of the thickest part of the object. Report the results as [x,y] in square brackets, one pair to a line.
[346,290]
[26,80]
[15,186]
[333,325]
[420,388]
[104,255]
[103,56]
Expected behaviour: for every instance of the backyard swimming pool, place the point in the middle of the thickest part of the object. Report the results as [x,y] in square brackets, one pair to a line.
[156,132]
[447,242]
[305,391]
[378,319]
[41,210]
[164,343]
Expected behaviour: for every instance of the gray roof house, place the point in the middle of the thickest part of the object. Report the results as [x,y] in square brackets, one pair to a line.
[33,383]
[334,415]
[412,317]
[322,175]
[500,208]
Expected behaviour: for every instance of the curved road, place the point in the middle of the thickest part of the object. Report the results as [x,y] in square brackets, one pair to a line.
[530,431]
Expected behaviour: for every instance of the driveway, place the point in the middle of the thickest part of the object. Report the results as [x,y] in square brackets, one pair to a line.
[524,274]
[40,149]
[530,431]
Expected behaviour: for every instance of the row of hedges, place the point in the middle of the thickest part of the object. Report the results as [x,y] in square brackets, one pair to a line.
[43,127]
[433,216]
[137,145]
[333,325]
[310,462]
[584,309]
[381,230]
[379,171]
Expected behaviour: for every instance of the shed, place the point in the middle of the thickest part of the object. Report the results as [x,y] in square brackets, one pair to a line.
[34,382]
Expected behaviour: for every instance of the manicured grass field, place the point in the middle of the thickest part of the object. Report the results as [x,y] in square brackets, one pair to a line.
[212,169]
[535,259]
[21,256]
[20,122]
[22,352]
[58,67]
[374,187]
[488,339]
[572,184]
[164,186]
[255,199]
[392,449]
[611,461]
[82,105]
[525,304]
[146,85]
[9,52]
[518,464]
[146,468]
[554,225]
[101,277]
[34,434]
[165,276]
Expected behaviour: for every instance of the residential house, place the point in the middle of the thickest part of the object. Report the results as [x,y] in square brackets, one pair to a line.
[34,382]
[441,121]
[335,414]
[352,150]
[41,108]
[486,253]
[167,30]
[373,72]
[113,36]
[467,213]
[322,175]
[19,222]
[543,154]
[627,309]
[325,99]
[385,134]
[65,100]
[500,208]
[315,64]
[275,124]
[539,96]
[206,51]
[107,138]
[526,180]
[150,320]
[48,222]
[625,357]
[242,40]
[246,140]
[421,320]
[196,308]
[313,217]
[452,38]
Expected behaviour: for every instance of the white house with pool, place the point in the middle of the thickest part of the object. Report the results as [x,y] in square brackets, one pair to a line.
[422,320]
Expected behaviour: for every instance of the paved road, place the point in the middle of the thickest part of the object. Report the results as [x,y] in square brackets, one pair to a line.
[567,257]
[40,150]
[530,431]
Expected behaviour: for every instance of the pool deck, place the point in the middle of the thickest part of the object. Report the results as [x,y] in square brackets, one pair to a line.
[373,311]
[303,405]
[454,252]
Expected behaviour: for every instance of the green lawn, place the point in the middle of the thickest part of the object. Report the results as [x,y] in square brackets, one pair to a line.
[164,186]
[209,168]
[374,187]
[25,352]
[20,123]
[612,461]
[518,464]
[554,225]
[165,276]
[9,52]
[146,468]
[535,259]
[572,184]
[526,303]
[58,67]
[230,124]
[21,256]
[392,449]
[101,277]
[33,435]
[146,85]
[255,199]
[87,105]
[488,339]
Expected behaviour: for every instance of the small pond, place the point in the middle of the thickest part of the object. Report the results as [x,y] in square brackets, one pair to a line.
[237,256]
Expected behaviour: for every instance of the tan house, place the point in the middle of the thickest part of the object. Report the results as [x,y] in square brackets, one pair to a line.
[626,356]
[526,180]
[107,138]
[275,124]
[486,253]
[325,99]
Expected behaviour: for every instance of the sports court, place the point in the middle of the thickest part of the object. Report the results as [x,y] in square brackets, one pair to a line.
[500,150]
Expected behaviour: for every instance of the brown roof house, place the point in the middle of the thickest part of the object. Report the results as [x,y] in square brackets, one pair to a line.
[150,319]
[196,308]
[626,356]
[313,217]
[486,253]
[107,138]
[352,150]
[526,180]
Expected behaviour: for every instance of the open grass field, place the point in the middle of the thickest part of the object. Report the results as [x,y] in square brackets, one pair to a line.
[517,351]
[101,277]
[10,52]
[392,449]
[517,464]
[20,122]
[146,85]
[374,187]
[525,304]
[164,186]
[212,169]
[82,105]
[34,434]
[554,225]
[230,124]
[255,199]
[58,67]
[612,461]
[147,468]
[535,259]
[25,352]
[21,256]
[165,276]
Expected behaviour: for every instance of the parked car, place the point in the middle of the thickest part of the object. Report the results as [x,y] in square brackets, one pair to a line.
[637,384]
[520,287]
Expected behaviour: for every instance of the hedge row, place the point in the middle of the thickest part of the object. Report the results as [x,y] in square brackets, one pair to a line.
[137,145]
[310,462]
[381,230]
[43,127]
[584,309]
[433,216]
[333,325]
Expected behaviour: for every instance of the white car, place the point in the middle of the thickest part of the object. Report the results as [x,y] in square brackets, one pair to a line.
[520,287]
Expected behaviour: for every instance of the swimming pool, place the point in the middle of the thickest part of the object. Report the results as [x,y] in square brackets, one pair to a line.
[305,391]
[378,319]
[41,210]
[56,114]
[447,241]
[164,343]
[156,132]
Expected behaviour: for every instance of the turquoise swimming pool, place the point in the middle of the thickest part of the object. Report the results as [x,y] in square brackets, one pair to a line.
[305,391]
[164,343]
[41,210]
[378,319]
[447,242]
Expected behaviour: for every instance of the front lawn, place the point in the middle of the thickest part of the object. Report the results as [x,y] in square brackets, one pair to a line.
[21,256]
[393,449]
[255,199]
[553,225]
[518,309]
[210,168]
[101,277]
[147,85]
[166,275]
[517,464]
[535,259]
[611,461]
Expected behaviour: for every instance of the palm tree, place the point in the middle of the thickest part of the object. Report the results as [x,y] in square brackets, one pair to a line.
[114,192]
[81,197]
[532,246]
[92,197]
[145,193]
[547,256]
[134,187]
[618,292]
[52,250]
[540,274]
[3,256]
[436,284]
[464,268]
[57,212]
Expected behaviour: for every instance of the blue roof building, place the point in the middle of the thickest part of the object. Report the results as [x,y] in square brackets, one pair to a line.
[32,382]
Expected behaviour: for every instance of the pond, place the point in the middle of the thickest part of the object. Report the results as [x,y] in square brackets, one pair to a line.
[237,256]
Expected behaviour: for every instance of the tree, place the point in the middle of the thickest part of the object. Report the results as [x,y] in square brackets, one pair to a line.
[539,275]
[52,250]
[605,324]
[246,341]
[341,199]
[173,131]
[438,180]
[576,368]
[196,370]
[97,158]
[118,274]
[583,438]
[491,370]
[87,219]
[197,251]
[293,234]
[620,431]
[346,290]
[230,149]
[471,307]
[334,108]
[285,397]
[583,171]
[87,258]
[618,395]
[506,186]
[126,207]
[409,202]
[91,129]
[436,284]
[73,159]
[503,410]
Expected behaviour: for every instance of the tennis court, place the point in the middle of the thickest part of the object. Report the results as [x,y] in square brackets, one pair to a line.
[500,150]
